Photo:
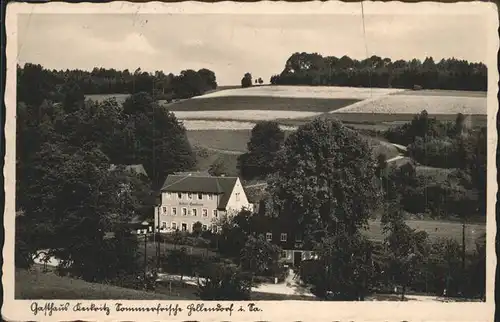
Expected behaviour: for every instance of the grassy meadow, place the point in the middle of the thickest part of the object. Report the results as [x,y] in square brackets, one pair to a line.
[436,230]
[35,284]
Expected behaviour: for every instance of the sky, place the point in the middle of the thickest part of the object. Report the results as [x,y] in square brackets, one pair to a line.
[233,44]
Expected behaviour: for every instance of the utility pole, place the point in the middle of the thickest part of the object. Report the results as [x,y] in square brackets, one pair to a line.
[145,255]
[157,231]
[463,244]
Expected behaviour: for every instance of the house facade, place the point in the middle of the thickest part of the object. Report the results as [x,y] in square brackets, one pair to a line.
[187,198]
[285,234]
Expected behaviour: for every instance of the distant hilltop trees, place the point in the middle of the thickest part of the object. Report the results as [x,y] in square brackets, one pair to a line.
[314,69]
[36,81]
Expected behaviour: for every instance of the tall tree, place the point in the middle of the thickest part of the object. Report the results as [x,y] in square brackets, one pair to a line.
[260,256]
[266,140]
[325,180]
[345,267]
[246,81]
[218,167]
[162,145]
[408,248]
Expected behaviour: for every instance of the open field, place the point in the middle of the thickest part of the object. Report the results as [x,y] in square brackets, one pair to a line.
[412,104]
[435,229]
[380,121]
[202,125]
[232,140]
[319,92]
[264,103]
[247,115]
[37,285]
[236,141]
[440,92]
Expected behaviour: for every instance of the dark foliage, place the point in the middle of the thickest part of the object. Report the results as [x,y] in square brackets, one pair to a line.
[36,83]
[325,178]
[344,270]
[224,282]
[246,81]
[422,126]
[71,198]
[265,142]
[314,69]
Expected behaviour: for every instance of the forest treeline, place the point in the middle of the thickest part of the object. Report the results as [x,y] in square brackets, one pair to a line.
[314,69]
[36,83]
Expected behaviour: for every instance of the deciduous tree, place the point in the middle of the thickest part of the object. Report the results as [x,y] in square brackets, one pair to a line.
[266,140]
[325,180]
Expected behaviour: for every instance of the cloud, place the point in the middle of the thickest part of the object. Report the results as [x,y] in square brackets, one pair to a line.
[232,44]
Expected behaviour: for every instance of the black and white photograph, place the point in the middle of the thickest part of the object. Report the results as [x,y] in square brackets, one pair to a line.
[216,154]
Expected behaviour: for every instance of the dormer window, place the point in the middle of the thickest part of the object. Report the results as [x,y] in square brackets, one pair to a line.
[179,195]
[200,196]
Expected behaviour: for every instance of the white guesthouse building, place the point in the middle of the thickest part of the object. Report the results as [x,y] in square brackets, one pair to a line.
[187,198]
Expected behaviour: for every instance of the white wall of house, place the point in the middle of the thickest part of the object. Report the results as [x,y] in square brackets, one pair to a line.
[182,210]
[238,199]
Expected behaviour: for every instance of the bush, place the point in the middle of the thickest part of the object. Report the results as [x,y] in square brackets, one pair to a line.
[225,282]
[421,126]
[178,261]
[436,152]
[23,256]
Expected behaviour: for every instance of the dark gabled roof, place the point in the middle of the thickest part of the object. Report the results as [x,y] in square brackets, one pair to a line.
[198,183]
[194,173]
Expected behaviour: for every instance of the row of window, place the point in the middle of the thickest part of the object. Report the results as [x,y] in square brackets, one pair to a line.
[190,211]
[199,196]
[184,226]
[189,196]
[283,237]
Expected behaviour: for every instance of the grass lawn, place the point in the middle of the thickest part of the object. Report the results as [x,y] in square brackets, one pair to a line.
[35,284]
[228,103]
[229,140]
[436,229]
